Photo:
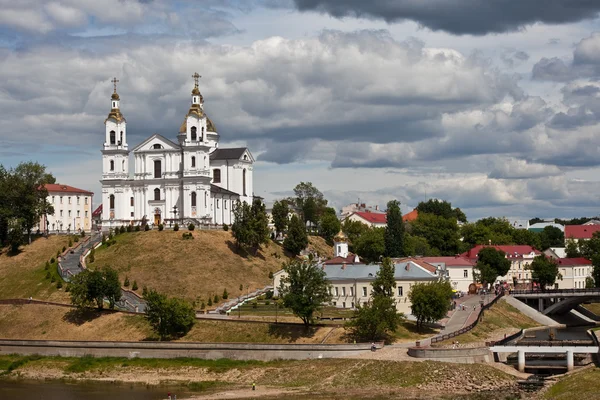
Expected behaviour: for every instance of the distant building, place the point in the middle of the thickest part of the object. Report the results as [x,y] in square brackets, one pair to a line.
[458,268]
[539,227]
[379,220]
[520,257]
[360,207]
[592,222]
[580,232]
[556,252]
[341,255]
[519,223]
[72,209]
[97,217]
[573,272]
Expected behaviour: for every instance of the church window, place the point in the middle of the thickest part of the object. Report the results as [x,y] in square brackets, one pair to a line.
[123,165]
[193,162]
[157,146]
[121,138]
[205,199]
[245,157]
[77,200]
[131,201]
[225,204]
[112,201]
[69,199]
[202,136]
[77,213]
[157,169]
[131,214]
[61,213]
[157,194]
[216,175]
[244,182]
[60,199]
[193,199]
[69,213]
[113,137]
[194,134]
[112,165]
[217,203]
[85,200]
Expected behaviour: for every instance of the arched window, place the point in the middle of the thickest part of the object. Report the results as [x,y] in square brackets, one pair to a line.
[244,182]
[194,135]
[193,162]
[112,165]
[157,146]
[113,137]
[193,199]
[156,194]
[216,175]
[123,166]
[157,169]
[112,201]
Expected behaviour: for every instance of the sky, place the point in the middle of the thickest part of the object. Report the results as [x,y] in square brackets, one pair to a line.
[493,105]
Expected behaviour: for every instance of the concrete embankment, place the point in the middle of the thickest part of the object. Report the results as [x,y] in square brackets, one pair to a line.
[209,351]
[462,355]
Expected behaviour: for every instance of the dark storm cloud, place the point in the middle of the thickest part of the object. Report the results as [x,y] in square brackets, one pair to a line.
[477,17]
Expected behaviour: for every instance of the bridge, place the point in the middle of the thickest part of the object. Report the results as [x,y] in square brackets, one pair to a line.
[558,301]
[546,348]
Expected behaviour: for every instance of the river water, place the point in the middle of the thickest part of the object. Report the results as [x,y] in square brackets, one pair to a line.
[36,390]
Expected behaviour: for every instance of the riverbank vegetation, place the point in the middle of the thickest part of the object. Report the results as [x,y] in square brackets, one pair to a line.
[582,385]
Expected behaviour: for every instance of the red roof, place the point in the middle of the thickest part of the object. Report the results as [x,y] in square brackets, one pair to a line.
[342,260]
[574,261]
[512,251]
[580,231]
[97,211]
[374,218]
[411,216]
[456,261]
[419,261]
[58,188]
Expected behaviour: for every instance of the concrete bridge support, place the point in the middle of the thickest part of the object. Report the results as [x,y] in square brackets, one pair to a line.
[521,360]
[570,360]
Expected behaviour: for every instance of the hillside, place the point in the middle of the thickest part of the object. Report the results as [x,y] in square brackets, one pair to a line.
[23,275]
[319,245]
[194,269]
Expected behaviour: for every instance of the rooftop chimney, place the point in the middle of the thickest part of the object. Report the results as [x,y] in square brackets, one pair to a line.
[344,266]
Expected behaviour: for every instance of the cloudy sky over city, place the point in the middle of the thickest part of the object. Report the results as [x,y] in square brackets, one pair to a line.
[493,105]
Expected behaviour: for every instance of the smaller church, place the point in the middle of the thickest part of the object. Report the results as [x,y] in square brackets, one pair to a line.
[186,180]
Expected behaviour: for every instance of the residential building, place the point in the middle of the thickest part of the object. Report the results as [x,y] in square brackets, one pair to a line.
[379,220]
[580,232]
[539,227]
[592,222]
[72,209]
[97,217]
[351,285]
[519,223]
[361,207]
[573,273]
[341,255]
[556,252]
[520,257]
[191,180]
[458,268]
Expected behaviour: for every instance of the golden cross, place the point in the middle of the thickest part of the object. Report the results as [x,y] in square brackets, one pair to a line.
[196,76]
[114,81]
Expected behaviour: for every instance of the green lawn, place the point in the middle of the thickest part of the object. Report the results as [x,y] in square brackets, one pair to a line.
[583,385]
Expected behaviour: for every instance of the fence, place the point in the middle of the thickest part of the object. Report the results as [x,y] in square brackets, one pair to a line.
[467,328]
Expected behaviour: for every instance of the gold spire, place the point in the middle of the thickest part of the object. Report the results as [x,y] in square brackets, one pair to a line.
[340,237]
[115,96]
[196,76]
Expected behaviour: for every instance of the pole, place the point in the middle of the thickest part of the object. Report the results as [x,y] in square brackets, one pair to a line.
[276,308]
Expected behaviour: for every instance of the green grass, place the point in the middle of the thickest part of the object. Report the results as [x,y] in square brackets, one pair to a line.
[12,362]
[583,385]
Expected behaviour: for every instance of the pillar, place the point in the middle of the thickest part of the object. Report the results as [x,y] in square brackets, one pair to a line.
[541,305]
[570,361]
[521,360]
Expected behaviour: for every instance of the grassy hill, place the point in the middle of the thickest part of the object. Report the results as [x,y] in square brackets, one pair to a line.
[194,269]
[23,275]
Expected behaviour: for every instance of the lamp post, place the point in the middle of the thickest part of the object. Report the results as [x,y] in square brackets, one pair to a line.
[174,212]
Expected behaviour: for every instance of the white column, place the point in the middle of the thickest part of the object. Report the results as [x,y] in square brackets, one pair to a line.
[570,361]
[521,360]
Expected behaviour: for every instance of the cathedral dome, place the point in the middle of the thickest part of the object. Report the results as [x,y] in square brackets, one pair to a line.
[340,237]
[115,96]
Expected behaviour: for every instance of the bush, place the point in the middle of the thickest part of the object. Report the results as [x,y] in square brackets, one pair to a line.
[59,285]
[269,294]
[145,291]
[137,228]
[126,283]
[225,294]
[64,249]
[216,299]
[135,286]
[123,229]
[169,317]
[76,238]
[110,236]
[53,279]
[176,227]
[146,227]
[92,256]
[52,260]
[70,244]
[225,227]
[161,227]
[267,302]
[103,238]
[191,227]
[82,233]
[129,228]
[270,274]
[187,235]
[48,275]
[47,266]
[210,302]
[202,306]
[68,288]
[255,304]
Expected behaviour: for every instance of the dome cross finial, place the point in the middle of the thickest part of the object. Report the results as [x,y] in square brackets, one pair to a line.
[196,76]
[115,81]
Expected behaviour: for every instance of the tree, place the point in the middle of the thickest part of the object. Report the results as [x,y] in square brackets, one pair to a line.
[491,264]
[304,288]
[329,225]
[353,230]
[551,236]
[417,246]
[590,249]
[94,286]
[371,244]
[15,235]
[394,230]
[259,225]
[430,302]
[280,216]
[169,317]
[572,250]
[544,271]
[296,239]
[241,224]
[310,201]
[441,233]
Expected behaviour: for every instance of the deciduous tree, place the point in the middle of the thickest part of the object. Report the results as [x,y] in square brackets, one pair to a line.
[329,225]
[394,230]
[491,264]
[430,302]
[280,216]
[370,246]
[169,317]
[544,270]
[296,239]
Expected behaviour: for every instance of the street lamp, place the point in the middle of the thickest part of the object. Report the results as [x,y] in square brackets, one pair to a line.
[174,212]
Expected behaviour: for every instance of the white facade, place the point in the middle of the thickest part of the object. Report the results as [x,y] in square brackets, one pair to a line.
[191,181]
[573,273]
[72,210]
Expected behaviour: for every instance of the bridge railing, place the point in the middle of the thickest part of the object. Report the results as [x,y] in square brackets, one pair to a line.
[558,292]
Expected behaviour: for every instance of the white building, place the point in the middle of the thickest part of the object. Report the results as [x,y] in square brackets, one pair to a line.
[188,181]
[573,273]
[354,207]
[520,256]
[72,209]
[459,270]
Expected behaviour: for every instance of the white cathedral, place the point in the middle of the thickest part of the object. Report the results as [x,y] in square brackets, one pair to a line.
[191,181]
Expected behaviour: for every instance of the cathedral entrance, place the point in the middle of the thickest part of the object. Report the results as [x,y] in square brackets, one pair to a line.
[157,216]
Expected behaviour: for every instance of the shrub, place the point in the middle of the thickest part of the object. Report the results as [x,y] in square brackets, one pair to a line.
[53,279]
[176,227]
[103,238]
[225,227]
[267,302]
[255,304]
[202,306]
[48,275]
[126,283]
[64,249]
[47,266]
[52,260]
[110,236]
[270,274]
[59,284]
[76,238]
[144,290]
[210,302]
[137,228]
[70,244]
[216,299]
[269,294]
[82,233]
[92,256]
[191,227]
[135,286]
[161,227]
[129,228]
[225,294]
[146,227]
[187,235]
[123,229]
[68,288]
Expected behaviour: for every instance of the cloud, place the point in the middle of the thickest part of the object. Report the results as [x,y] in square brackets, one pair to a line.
[513,168]
[476,17]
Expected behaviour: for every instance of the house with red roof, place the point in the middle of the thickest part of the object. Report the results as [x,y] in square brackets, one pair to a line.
[459,270]
[72,209]
[97,217]
[580,232]
[573,273]
[520,257]
[379,220]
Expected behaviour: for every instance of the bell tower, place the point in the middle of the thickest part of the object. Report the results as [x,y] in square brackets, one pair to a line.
[115,153]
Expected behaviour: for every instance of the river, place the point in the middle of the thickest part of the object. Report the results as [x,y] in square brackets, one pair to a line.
[49,390]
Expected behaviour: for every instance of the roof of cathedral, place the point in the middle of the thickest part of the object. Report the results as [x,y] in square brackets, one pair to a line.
[115,113]
[219,189]
[234,153]
[161,137]
[210,126]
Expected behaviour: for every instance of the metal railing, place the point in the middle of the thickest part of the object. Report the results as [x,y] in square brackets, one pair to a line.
[558,292]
